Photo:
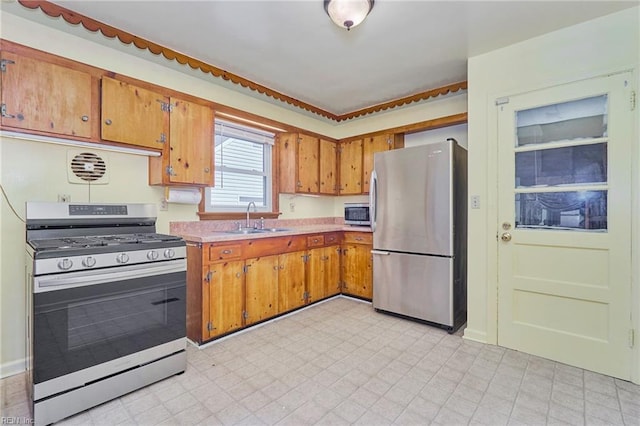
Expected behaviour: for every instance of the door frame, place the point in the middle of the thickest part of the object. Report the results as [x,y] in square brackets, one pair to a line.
[492,218]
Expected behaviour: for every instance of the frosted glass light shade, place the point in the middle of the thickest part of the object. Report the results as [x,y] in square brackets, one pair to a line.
[348,13]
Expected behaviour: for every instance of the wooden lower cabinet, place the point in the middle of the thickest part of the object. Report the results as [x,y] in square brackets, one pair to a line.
[234,284]
[291,281]
[323,278]
[357,270]
[261,282]
[223,298]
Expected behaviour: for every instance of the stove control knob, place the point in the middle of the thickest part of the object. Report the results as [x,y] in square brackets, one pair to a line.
[169,253]
[65,264]
[89,261]
[152,255]
[122,258]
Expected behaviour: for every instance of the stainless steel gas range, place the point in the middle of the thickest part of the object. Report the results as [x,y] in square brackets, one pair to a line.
[107,304]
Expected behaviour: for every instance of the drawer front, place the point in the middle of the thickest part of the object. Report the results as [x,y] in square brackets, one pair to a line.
[358,237]
[315,241]
[332,238]
[270,246]
[225,252]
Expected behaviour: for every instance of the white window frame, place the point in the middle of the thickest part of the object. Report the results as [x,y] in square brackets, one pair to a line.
[255,135]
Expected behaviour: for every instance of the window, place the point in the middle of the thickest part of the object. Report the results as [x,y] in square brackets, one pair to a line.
[561,173]
[242,169]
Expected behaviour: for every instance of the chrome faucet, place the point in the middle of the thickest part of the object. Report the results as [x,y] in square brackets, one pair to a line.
[255,209]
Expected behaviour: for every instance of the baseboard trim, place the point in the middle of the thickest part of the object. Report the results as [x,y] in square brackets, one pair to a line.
[12,368]
[475,335]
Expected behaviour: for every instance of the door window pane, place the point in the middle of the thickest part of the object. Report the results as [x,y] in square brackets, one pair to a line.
[582,164]
[580,119]
[562,210]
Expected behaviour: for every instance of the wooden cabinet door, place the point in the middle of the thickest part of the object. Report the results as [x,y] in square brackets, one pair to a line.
[287,144]
[357,270]
[133,115]
[291,281]
[351,167]
[331,269]
[316,284]
[261,283]
[328,167]
[308,164]
[225,282]
[190,144]
[371,145]
[45,97]
[323,279]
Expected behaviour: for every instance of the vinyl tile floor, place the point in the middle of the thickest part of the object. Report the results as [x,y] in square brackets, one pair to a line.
[340,362]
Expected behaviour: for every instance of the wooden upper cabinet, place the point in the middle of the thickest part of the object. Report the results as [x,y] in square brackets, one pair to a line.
[328,167]
[351,167]
[308,164]
[41,96]
[187,156]
[133,115]
[370,146]
[298,163]
[190,144]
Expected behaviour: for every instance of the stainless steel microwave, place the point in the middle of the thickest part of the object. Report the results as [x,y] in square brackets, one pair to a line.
[357,214]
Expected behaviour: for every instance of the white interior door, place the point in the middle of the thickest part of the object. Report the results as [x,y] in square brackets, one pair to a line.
[564,249]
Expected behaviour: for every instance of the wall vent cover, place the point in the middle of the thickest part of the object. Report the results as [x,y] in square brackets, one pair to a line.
[86,168]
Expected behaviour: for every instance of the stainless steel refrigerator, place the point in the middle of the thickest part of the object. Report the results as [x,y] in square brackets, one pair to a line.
[418,204]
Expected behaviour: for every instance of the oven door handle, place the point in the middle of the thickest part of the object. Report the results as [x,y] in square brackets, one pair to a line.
[102,276]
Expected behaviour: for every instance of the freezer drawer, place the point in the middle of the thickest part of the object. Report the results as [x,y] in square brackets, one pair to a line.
[418,286]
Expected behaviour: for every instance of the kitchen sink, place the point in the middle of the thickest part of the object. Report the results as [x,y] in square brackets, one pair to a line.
[247,231]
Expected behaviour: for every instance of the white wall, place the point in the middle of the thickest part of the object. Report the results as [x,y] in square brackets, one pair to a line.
[458,132]
[597,47]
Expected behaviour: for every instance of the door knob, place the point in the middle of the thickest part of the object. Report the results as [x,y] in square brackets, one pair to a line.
[505,237]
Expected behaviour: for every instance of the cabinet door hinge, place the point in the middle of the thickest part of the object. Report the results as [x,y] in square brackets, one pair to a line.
[245,268]
[210,326]
[208,277]
[632,100]
[3,112]
[632,337]
[4,63]
[170,171]
[245,315]
[305,258]
[389,142]
[163,138]
[165,106]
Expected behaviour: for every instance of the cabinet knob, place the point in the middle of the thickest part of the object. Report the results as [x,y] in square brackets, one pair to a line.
[206,170]
[108,122]
[84,118]
[226,251]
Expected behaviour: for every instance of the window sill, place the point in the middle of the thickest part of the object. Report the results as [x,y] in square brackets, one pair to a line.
[237,215]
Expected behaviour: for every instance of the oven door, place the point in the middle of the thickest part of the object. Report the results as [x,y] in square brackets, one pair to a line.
[91,324]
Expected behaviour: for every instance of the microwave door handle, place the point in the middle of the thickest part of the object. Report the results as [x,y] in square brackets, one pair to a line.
[373,199]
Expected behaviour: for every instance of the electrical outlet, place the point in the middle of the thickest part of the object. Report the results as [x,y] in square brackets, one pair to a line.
[164,205]
[475,201]
[292,207]
[64,198]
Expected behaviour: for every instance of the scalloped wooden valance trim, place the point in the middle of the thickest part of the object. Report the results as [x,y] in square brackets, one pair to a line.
[55,11]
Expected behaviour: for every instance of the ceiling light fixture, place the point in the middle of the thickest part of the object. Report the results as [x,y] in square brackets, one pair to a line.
[348,13]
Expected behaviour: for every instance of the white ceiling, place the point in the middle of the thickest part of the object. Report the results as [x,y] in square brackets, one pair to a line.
[402,48]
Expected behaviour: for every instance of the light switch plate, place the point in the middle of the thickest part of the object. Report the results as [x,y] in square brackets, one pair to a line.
[475,201]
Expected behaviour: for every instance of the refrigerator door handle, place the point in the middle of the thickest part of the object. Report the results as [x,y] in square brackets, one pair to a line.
[381,253]
[373,200]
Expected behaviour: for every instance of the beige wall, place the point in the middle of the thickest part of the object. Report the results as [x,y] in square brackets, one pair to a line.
[32,171]
[594,48]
